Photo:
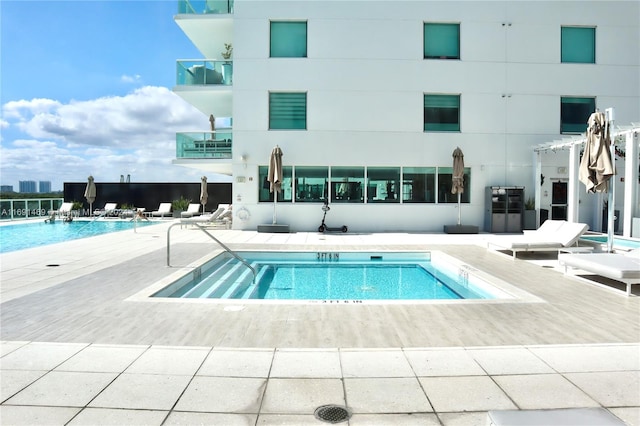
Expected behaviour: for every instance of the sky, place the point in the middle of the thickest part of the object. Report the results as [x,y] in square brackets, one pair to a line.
[86,89]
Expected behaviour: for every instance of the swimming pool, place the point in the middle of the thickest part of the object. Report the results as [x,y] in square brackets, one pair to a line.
[627,243]
[34,234]
[338,277]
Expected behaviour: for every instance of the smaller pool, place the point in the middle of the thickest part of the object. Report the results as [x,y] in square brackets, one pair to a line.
[34,234]
[332,276]
[628,243]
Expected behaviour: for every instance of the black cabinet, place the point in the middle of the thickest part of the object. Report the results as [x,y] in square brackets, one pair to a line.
[504,209]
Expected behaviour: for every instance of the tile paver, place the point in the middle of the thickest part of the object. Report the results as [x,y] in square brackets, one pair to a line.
[610,389]
[465,393]
[223,394]
[301,396]
[372,363]
[118,417]
[306,363]
[386,395]
[238,363]
[170,361]
[35,416]
[443,362]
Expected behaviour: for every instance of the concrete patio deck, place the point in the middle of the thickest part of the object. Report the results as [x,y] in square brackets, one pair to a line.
[77,349]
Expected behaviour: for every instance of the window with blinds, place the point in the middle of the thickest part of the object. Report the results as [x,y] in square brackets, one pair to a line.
[441,41]
[574,114]
[287,111]
[578,45]
[441,113]
[288,39]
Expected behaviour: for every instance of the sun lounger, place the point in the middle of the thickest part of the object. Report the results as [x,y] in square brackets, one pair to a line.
[616,266]
[108,209]
[192,210]
[549,237]
[163,210]
[221,216]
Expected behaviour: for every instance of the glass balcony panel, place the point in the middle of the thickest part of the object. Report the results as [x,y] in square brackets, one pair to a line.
[216,144]
[203,7]
[193,73]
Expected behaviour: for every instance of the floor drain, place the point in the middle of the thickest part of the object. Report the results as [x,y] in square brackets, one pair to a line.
[332,414]
[53,264]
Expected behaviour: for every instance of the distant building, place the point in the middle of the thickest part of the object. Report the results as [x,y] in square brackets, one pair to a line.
[27,186]
[6,188]
[44,186]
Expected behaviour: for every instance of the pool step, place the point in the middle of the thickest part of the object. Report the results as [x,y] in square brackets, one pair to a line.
[243,282]
[213,279]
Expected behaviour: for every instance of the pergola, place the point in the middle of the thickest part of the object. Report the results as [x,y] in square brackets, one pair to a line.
[626,139]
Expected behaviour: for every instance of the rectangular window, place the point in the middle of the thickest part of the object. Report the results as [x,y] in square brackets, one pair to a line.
[264,191]
[574,114]
[287,111]
[445,183]
[441,113]
[288,39]
[347,184]
[383,184]
[441,41]
[419,185]
[312,184]
[578,45]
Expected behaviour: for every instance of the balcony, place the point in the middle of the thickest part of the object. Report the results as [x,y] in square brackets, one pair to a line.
[204,7]
[202,72]
[210,145]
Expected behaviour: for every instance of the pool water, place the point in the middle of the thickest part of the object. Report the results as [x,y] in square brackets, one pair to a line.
[617,241]
[34,234]
[345,277]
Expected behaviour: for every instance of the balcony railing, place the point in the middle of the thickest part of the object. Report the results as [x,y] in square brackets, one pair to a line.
[216,144]
[198,72]
[26,208]
[203,7]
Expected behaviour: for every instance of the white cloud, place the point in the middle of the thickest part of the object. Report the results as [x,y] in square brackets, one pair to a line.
[105,137]
[131,78]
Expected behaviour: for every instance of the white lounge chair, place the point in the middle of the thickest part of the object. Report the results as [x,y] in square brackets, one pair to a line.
[163,210]
[616,266]
[192,210]
[108,209]
[549,237]
[221,216]
[63,211]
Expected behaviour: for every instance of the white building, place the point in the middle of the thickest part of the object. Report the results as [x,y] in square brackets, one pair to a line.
[368,100]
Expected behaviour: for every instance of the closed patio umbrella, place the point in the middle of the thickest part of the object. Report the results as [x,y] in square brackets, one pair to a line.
[90,193]
[204,192]
[457,181]
[274,176]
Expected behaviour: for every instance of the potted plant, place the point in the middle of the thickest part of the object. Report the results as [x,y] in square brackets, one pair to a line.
[76,208]
[530,213]
[179,205]
[227,66]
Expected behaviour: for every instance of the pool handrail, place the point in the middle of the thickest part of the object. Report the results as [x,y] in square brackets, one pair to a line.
[220,243]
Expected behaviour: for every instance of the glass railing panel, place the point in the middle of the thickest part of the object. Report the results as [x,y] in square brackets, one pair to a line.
[204,7]
[216,144]
[191,73]
[25,208]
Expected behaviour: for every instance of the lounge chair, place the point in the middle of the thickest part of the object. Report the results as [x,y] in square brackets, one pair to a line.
[163,210]
[109,208]
[192,210]
[221,216]
[549,237]
[63,211]
[623,267]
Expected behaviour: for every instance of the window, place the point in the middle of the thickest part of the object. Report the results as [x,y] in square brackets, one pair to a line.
[574,114]
[578,45]
[311,184]
[288,40]
[347,184]
[287,111]
[445,183]
[441,41]
[264,191]
[418,185]
[383,184]
[442,113]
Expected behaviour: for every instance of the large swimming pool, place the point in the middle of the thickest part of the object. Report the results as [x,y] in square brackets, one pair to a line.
[34,234]
[337,277]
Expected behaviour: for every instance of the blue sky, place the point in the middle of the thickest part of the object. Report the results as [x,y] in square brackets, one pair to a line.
[85,89]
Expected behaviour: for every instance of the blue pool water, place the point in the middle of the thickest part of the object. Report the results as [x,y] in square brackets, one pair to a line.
[27,235]
[617,241]
[346,277]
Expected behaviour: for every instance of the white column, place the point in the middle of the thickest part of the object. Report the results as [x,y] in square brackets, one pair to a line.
[574,183]
[630,183]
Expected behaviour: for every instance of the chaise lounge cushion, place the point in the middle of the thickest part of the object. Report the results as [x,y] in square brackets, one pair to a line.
[611,265]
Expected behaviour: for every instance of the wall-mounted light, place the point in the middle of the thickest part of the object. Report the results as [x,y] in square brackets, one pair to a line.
[244,158]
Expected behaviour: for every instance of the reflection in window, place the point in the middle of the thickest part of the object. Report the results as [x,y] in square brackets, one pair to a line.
[311,184]
[578,45]
[264,193]
[445,183]
[347,184]
[441,41]
[288,40]
[383,184]
[574,114]
[441,113]
[418,184]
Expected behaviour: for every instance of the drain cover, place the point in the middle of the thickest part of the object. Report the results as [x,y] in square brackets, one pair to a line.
[52,264]
[332,414]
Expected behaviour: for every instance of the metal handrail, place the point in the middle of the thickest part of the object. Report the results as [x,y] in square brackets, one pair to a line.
[227,249]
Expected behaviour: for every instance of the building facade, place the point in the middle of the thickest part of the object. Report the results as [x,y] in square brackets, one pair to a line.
[44,186]
[27,186]
[368,100]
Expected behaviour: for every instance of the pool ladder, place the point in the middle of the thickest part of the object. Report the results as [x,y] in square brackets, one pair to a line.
[220,243]
[327,256]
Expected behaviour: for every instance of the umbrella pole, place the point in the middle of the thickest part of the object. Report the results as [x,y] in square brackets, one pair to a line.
[458,208]
[275,201]
[611,189]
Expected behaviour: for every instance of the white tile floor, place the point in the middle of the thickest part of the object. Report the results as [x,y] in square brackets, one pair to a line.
[78,384]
